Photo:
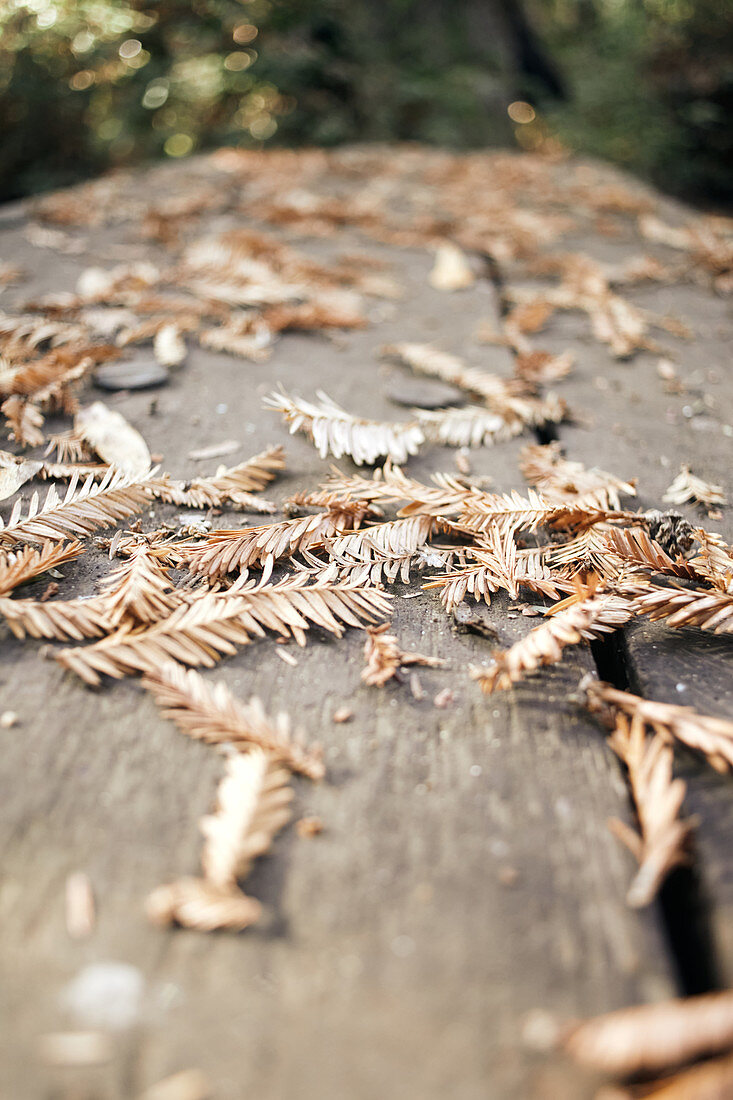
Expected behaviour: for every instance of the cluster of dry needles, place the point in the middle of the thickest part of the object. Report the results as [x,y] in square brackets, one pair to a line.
[181,599]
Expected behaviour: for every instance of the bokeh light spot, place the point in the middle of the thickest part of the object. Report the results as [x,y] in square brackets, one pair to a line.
[178,145]
[521,112]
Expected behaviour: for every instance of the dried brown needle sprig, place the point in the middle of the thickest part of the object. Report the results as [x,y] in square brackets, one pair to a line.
[471,426]
[384,658]
[496,565]
[687,488]
[652,1038]
[232,486]
[390,485]
[662,842]
[714,560]
[382,541]
[558,478]
[58,620]
[82,510]
[683,607]
[253,804]
[24,421]
[210,713]
[18,567]
[635,553]
[337,432]
[711,736]
[211,625]
[570,623]
[511,512]
[139,591]
[380,570]
[238,550]
[511,399]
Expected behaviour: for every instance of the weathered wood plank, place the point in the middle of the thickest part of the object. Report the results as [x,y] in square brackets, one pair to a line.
[652,432]
[396,956]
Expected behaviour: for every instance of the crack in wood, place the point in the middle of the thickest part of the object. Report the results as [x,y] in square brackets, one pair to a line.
[683,904]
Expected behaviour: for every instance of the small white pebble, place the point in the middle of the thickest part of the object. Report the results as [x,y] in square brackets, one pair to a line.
[680,687]
[8,718]
[105,994]
[402,946]
[475,769]
[540,1031]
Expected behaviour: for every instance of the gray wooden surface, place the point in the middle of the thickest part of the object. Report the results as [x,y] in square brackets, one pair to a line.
[465,877]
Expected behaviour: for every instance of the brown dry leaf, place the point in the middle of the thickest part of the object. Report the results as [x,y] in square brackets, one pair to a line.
[384,657]
[337,432]
[14,473]
[541,367]
[687,488]
[253,804]
[114,440]
[255,346]
[451,270]
[398,539]
[580,621]
[585,285]
[211,713]
[306,316]
[652,1038]
[69,448]
[662,842]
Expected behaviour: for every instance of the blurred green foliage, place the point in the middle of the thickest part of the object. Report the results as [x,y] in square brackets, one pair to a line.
[90,84]
[650,86]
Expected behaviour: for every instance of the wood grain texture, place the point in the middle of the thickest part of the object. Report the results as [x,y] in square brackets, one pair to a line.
[465,875]
[652,432]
